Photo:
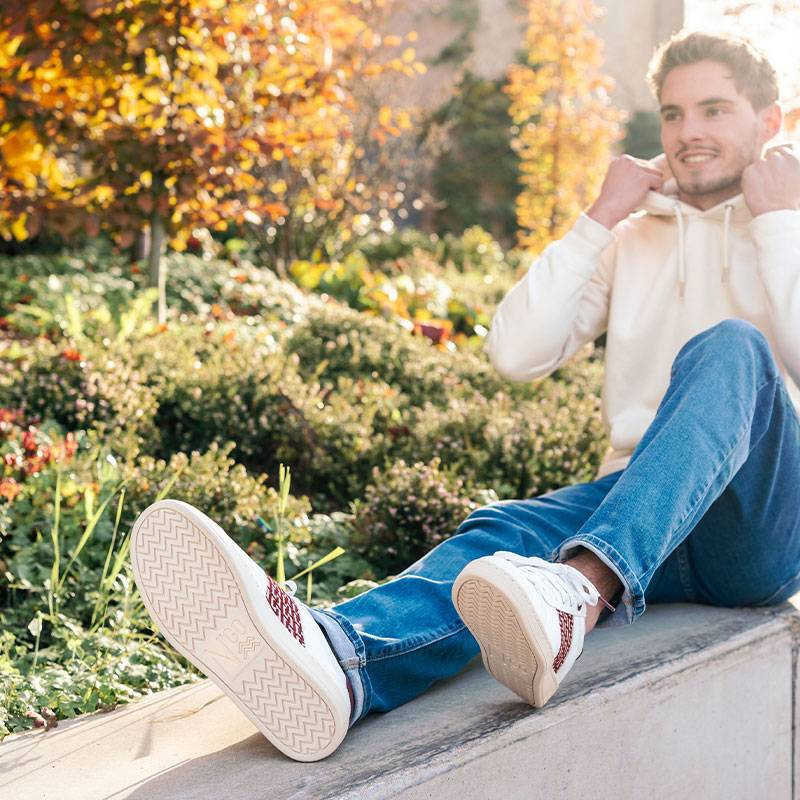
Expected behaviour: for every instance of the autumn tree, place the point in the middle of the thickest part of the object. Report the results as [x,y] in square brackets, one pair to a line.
[564,125]
[175,115]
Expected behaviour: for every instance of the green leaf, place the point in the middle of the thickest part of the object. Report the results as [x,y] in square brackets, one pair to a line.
[335,553]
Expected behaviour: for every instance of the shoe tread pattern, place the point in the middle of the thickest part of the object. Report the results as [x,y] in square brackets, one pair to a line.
[506,653]
[191,593]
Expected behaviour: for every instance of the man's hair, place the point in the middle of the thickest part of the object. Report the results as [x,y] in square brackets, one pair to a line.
[752,73]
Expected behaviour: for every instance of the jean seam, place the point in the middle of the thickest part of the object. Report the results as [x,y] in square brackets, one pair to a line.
[360,653]
[780,589]
[682,555]
[795,415]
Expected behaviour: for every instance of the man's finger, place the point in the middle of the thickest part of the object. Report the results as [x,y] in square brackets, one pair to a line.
[656,181]
[650,171]
[785,148]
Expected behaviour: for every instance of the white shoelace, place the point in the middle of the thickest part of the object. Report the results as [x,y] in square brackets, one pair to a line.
[563,585]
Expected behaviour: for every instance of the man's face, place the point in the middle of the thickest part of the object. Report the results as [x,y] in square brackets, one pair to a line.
[709,132]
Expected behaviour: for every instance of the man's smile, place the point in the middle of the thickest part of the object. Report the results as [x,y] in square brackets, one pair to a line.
[696,158]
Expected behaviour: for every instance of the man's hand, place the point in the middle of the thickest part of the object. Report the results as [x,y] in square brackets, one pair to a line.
[773,182]
[626,184]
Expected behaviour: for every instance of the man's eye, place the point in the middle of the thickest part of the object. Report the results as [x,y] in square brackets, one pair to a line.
[670,116]
[714,111]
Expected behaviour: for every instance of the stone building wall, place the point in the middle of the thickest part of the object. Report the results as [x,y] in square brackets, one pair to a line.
[494,31]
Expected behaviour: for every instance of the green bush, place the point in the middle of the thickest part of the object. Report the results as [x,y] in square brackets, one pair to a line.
[223,383]
[214,482]
[345,576]
[199,286]
[248,391]
[409,509]
[81,386]
[517,448]
[336,341]
[43,294]
[80,671]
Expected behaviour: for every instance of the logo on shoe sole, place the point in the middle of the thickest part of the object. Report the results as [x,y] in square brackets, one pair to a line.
[233,645]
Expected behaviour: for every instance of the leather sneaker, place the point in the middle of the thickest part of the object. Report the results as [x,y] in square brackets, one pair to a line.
[259,644]
[529,618]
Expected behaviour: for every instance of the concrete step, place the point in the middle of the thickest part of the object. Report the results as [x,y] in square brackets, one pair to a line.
[690,701]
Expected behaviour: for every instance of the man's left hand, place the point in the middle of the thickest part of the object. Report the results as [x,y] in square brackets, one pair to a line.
[773,182]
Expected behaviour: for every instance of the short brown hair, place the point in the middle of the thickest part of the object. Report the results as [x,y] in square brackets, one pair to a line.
[753,75]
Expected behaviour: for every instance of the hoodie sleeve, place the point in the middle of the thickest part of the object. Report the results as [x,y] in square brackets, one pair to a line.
[777,239]
[560,304]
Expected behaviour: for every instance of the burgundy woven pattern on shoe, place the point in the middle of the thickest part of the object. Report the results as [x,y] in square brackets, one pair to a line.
[565,623]
[285,609]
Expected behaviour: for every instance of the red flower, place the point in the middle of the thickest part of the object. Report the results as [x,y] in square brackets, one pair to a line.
[29,441]
[72,355]
[433,332]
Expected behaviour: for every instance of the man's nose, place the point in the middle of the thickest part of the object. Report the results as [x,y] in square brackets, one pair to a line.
[691,128]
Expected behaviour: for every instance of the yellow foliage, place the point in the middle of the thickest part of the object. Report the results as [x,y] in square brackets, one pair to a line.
[248,99]
[19,229]
[104,194]
[278,187]
[560,103]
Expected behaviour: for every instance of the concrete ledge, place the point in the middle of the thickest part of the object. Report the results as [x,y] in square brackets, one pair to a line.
[691,701]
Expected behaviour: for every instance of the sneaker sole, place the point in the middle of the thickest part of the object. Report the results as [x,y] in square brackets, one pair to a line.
[514,647]
[186,571]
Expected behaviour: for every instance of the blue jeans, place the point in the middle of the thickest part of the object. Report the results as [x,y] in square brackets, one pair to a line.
[707,511]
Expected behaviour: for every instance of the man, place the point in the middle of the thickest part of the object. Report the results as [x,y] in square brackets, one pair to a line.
[696,281]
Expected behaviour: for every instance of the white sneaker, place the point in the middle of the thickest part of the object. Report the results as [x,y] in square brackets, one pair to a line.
[529,618]
[259,644]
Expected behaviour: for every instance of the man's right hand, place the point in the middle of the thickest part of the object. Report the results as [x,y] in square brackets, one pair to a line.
[625,186]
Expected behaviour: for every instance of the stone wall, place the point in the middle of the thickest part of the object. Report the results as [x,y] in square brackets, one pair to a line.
[494,30]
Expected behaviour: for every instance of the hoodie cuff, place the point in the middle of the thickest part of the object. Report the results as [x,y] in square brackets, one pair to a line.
[785,222]
[593,234]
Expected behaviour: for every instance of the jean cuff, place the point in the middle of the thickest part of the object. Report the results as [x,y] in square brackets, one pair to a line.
[633,603]
[349,651]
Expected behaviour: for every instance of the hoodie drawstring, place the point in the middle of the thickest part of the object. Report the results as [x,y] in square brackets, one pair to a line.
[726,232]
[726,235]
[681,249]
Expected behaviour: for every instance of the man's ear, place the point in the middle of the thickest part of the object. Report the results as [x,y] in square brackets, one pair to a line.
[771,119]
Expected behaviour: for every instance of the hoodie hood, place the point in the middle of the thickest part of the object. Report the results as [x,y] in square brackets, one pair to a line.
[667,204]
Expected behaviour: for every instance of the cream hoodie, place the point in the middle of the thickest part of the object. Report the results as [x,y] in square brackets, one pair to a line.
[664,274]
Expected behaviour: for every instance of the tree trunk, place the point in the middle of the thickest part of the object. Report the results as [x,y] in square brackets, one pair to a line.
[158,269]
[142,245]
